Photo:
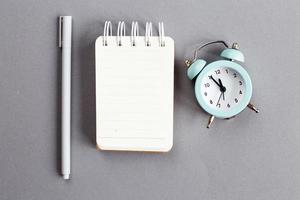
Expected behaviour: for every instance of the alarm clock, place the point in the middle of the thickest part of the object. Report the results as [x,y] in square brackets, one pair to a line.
[223,88]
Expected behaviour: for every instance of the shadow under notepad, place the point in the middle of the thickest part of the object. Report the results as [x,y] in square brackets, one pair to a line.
[87,82]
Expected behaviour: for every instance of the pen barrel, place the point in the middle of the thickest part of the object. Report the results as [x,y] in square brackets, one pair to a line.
[66,96]
[66,111]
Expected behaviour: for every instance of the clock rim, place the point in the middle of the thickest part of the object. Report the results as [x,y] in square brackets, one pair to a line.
[248,89]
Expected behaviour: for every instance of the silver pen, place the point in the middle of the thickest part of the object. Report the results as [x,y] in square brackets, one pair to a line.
[65,40]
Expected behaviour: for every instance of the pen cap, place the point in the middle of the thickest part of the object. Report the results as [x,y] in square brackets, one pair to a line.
[65,31]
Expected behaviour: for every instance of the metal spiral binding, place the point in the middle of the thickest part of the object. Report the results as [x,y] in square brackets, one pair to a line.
[148,33]
[134,32]
[107,32]
[161,34]
[120,32]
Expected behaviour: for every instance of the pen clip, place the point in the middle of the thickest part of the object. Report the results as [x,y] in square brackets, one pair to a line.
[60,31]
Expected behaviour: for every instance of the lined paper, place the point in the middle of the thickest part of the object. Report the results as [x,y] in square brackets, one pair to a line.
[134,94]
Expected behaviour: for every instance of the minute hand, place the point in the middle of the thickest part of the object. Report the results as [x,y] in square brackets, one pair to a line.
[215,81]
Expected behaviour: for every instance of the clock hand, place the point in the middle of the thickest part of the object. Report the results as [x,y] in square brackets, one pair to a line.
[215,81]
[219,98]
[222,88]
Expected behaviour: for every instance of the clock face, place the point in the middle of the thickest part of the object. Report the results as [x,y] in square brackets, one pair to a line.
[222,88]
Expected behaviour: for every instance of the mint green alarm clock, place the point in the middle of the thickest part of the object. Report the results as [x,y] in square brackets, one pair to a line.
[223,88]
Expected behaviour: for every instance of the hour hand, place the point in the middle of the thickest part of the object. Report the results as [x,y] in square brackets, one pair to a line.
[220,82]
[214,80]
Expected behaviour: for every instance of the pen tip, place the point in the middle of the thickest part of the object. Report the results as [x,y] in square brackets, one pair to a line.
[66,176]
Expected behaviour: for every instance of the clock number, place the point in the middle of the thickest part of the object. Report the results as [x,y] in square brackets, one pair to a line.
[218,105]
[206,84]
[241,83]
[218,71]
[210,101]
[227,71]
[228,105]
[241,92]
[236,100]
[234,75]
[205,93]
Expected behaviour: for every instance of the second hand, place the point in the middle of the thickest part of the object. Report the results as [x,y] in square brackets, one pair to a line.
[219,99]
[222,88]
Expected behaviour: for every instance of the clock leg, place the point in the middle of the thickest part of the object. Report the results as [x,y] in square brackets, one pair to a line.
[210,120]
[252,107]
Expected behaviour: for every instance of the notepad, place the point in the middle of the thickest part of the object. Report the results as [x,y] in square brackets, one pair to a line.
[134,93]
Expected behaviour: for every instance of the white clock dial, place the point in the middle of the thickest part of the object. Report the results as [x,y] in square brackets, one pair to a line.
[222,88]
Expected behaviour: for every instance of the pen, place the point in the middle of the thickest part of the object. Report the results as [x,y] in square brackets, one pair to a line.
[65,38]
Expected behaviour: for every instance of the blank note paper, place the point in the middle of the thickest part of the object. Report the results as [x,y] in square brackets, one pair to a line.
[134,94]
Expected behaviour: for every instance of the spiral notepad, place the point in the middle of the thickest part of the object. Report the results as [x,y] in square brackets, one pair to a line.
[134,89]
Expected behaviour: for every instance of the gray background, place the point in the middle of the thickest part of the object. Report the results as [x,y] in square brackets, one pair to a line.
[250,157]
